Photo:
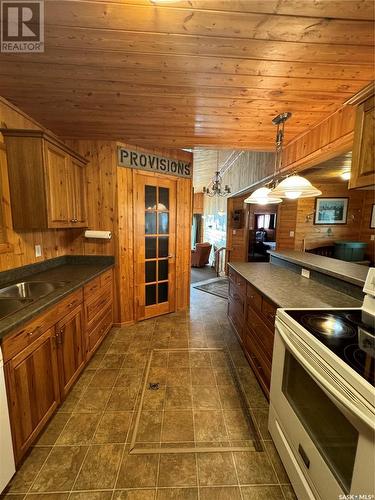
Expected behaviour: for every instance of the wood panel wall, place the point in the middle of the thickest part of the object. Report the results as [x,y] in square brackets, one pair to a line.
[110,208]
[198,203]
[331,137]
[366,232]
[237,239]
[18,248]
[286,223]
[293,217]
[317,235]
[124,238]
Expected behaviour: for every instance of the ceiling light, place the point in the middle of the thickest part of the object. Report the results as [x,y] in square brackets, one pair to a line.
[262,196]
[216,188]
[294,187]
[345,176]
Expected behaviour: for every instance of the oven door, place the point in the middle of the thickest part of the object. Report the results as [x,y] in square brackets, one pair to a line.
[327,428]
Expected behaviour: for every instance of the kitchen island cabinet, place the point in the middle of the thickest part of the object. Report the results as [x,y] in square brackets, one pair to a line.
[256,290]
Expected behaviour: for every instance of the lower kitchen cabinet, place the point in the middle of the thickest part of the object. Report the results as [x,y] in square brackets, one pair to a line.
[253,317]
[44,358]
[33,390]
[70,339]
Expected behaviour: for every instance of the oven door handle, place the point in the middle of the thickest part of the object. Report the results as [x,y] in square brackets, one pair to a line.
[354,408]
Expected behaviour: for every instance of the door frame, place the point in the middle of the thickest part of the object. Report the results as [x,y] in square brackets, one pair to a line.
[170,306]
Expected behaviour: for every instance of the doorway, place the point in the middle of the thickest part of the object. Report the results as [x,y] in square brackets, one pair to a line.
[262,233]
[155,245]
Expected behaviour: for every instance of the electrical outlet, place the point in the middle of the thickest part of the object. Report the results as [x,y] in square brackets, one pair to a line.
[234,231]
[291,234]
[38,251]
[372,237]
[305,273]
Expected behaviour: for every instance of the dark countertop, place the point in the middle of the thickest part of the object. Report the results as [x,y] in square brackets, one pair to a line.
[345,271]
[288,289]
[76,271]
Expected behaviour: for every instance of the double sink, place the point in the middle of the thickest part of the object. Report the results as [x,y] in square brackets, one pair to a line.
[15,297]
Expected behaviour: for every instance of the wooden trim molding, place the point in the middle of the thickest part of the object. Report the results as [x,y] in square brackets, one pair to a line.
[40,134]
[362,95]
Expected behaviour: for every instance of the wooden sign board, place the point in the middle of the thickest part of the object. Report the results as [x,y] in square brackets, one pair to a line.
[153,163]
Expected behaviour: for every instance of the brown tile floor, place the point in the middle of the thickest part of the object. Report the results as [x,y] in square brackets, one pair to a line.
[84,452]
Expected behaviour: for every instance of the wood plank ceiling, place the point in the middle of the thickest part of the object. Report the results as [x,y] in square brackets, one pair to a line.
[197,73]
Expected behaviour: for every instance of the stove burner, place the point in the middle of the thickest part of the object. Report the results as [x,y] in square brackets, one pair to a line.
[328,325]
[361,361]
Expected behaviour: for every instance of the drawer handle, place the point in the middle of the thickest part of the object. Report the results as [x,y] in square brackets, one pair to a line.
[31,333]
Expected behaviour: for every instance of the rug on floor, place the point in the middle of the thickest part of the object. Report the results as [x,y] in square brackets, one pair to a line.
[216,286]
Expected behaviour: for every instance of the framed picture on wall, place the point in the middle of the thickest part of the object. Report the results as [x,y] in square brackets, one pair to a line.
[331,211]
[372,220]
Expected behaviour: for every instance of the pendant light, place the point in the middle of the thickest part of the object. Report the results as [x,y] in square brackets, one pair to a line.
[265,195]
[295,186]
[262,196]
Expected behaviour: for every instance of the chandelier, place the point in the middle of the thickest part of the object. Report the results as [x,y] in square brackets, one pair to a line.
[215,187]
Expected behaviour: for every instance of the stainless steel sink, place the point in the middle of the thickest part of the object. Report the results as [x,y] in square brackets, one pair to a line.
[30,290]
[10,306]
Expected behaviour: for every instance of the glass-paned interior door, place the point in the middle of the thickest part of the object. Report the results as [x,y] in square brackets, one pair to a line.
[155,245]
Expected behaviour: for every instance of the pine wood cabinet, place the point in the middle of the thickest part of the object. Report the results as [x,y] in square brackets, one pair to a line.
[33,390]
[47,181]
[71,348]
[44,358]
[252,316]
[363,164]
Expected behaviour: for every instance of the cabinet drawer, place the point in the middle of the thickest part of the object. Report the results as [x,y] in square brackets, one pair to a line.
[236,316]
[106,278]
[261,365]
[94,308]
[65,306]
[260,331]
[101,328]
[92,288]
[254,298]
[27,334]
[237,280]
[269,312]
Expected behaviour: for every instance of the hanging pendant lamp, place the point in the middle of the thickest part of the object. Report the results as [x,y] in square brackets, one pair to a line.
[262,196]
[294,187]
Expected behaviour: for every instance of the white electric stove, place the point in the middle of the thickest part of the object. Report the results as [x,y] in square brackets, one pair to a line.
[322,400]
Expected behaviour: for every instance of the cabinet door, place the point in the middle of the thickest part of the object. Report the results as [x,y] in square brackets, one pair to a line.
[363,166]
[78,180]
[33,390]
[71,348]
[58,186]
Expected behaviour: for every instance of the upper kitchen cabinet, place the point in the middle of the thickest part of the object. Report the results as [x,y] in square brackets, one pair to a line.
[363,165]
[46,180]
